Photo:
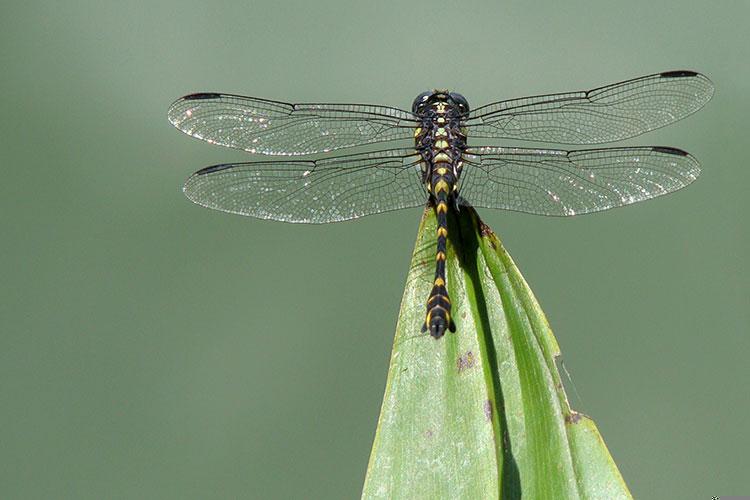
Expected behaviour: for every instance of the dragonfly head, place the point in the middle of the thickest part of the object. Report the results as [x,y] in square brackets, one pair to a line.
[428,99]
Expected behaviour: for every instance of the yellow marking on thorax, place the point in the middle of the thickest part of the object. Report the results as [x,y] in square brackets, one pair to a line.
[440,132]
[441,186]
[440,120]
[417,132]
[442,157]
[441,144]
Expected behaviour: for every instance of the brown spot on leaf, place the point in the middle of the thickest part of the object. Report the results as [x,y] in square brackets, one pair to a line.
[485,230]
[428,433]
[488,410]
[573,418]
[466,361]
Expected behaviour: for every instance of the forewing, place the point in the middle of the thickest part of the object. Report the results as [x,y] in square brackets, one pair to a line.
[564,183]
[320,191]
[605,114]
[277,128]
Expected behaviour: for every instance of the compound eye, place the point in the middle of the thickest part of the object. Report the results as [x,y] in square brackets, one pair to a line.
[461,102]
[419,101]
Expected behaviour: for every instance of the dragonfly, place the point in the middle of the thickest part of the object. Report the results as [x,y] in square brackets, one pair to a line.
[438,165]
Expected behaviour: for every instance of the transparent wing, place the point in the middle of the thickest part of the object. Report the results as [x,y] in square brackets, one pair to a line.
[564,183]
[315,191]
[606,114]
[277,128]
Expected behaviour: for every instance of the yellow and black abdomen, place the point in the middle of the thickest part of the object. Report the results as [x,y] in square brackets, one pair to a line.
[442,188]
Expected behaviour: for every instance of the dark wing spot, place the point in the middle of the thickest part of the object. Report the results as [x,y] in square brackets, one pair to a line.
[678,74]
[213,168]
[202,95]
[669,151]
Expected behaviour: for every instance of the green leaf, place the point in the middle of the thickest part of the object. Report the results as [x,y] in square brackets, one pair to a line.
[481,413]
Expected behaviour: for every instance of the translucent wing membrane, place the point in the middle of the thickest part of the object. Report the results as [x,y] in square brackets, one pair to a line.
[538,181]
[606,114]
[277,128]
[328,190]
[564,183]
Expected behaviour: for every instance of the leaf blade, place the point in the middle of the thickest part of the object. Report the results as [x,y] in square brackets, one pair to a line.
[481,413]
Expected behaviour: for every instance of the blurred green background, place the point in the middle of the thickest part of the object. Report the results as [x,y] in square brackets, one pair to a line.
[154,349]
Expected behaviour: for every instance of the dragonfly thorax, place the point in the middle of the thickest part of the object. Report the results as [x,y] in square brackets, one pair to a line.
[440,139]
